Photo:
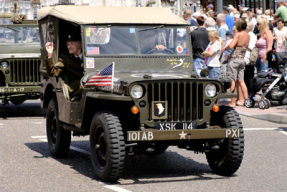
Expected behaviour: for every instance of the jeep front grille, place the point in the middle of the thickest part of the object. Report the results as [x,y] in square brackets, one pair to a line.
[24,72]
[185,99]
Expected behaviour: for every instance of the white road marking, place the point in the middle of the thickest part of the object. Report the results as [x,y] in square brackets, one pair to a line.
[112,187]
[284,132]
[257,129]
[115,188]
[38,137]
[266,129]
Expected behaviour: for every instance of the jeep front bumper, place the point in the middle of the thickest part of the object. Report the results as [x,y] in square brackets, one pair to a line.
[20,89]
[156,135]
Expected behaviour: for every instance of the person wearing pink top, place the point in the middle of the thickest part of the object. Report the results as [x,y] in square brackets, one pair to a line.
[264,44]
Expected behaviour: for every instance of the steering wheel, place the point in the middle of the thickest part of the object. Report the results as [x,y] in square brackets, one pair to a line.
[155,50]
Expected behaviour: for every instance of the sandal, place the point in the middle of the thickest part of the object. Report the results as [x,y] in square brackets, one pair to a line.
[240,104]
[231,105]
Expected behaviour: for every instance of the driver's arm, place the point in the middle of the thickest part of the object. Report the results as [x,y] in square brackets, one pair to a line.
[160,47]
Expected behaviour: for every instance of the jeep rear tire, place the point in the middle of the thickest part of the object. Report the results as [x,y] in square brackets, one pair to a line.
[107,146]
[227,159]
[59,140]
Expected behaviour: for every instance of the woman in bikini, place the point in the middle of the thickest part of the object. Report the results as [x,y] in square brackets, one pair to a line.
[236,65]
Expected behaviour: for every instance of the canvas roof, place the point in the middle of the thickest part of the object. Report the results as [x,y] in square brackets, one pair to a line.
[6,15]
[103,15]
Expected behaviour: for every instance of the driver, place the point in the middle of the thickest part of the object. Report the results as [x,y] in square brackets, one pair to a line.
[148,43]
[35,36]
[68,64]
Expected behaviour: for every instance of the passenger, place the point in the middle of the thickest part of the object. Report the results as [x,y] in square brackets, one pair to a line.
[68,64]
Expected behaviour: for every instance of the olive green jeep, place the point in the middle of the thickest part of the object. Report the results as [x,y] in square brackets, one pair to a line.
[19,61]
[139,90]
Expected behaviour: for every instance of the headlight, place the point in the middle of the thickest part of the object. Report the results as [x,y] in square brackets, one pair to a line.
[4,64]
[210,90]
[137,91]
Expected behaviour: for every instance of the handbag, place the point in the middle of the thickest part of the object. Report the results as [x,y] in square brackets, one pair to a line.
[253,56]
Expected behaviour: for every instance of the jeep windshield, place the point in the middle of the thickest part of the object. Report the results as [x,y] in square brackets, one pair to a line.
[136,41]
[10,35]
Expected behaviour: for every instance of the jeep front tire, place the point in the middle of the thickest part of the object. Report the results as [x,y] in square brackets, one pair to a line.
[226,156]
[107,146]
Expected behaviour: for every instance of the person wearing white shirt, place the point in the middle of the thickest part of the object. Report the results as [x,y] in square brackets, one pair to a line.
[252,19]
[209,24]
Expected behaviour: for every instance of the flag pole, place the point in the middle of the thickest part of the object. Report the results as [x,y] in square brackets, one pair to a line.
[112,86]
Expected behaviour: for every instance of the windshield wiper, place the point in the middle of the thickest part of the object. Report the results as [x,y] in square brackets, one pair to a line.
[161,26]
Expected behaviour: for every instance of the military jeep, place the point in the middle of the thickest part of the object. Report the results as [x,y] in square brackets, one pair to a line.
[19,61]
[139,90]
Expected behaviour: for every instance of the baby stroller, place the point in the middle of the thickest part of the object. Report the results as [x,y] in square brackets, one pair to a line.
[275,79]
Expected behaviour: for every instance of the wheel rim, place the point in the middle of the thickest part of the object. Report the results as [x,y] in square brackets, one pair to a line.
[53,126]
[261,105]
[284,101]
[248,103]
[101,147]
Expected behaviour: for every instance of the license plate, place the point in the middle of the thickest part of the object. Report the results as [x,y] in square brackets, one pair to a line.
[18,89]
[188,125]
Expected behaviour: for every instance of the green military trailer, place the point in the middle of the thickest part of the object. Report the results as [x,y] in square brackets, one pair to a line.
[19,60]
[139,92]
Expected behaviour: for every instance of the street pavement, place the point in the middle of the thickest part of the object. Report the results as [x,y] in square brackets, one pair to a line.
[276,113]
[27,165]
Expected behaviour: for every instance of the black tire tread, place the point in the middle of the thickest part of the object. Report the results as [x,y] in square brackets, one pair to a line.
[116,145]
[63,140]
[235,148]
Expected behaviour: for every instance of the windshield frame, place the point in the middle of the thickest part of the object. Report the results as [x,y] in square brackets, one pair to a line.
[138,54]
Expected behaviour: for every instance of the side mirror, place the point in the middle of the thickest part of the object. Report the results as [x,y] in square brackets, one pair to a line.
[204,72]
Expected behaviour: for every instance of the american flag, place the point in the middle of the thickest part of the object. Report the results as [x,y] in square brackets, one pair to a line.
[103,78]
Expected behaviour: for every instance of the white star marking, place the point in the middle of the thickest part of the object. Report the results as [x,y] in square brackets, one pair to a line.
[182,135]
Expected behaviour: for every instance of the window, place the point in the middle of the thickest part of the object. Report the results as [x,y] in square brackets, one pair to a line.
[170,41]
[19,35]
[111,41]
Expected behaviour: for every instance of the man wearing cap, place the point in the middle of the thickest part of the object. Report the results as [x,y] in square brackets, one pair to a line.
[68,65]
[281,12]
[209,7]
[228,19]
[240,9]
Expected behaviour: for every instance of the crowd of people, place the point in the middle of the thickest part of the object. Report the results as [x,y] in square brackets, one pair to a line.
[226,43]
